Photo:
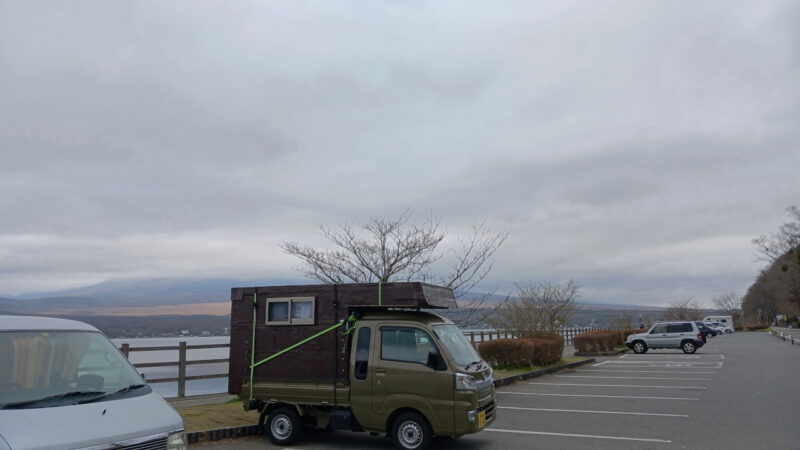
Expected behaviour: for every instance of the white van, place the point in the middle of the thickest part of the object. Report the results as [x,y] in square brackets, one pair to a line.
[64,385]
[727,321]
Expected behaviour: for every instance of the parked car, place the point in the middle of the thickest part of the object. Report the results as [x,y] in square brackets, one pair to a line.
[723,327]
[706,330]
[684,335]
[64,385]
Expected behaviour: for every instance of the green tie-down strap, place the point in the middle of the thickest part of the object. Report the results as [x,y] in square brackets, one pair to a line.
[350,321]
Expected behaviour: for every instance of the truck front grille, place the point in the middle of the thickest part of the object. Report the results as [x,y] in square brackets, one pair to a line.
[490,411]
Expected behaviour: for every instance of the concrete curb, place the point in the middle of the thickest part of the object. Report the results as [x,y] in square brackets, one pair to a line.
[538,373]
[611,353]
[224,433]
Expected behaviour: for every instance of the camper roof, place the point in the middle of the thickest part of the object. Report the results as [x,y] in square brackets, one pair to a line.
[388,295]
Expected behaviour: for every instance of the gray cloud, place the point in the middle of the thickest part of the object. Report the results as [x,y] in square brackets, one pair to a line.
[635,146]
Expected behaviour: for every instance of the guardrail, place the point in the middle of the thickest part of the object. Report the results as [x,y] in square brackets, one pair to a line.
[781,335]
[182,362]
[477,336]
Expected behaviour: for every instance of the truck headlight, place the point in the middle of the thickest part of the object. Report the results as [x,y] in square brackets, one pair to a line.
[177,441]
[465,382]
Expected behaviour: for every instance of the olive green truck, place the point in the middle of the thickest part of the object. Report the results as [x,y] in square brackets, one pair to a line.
[359,357]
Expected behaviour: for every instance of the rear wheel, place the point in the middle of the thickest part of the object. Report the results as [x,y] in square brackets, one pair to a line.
[728,331]
[688,347]
[410,431]
[639,347]
[283,425]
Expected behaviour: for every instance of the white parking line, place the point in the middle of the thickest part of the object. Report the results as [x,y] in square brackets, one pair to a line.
[597,396]
[664,361]
[644,371]
[600,364]
[622,385]
[636,378]
[593,412]
[686,365]
[591,436]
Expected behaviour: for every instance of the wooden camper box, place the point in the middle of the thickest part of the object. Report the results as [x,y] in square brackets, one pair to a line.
[326,357]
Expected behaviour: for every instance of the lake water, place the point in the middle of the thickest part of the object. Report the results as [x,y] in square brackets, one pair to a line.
[193,387]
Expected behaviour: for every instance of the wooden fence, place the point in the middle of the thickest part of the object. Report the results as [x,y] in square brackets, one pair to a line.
[475,337]
[181,363]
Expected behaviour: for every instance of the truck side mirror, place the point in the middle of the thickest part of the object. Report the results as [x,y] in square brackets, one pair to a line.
[435,361]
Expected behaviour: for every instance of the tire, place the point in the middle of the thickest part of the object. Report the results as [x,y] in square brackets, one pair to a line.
[688,347]
[719,332]
[410,431]
[283,425]
[727,331]
[639,347]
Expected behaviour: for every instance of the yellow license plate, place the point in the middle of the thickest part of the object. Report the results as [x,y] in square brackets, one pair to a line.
[481,419]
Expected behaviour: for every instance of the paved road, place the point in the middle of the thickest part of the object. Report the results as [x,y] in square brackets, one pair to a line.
[737,392]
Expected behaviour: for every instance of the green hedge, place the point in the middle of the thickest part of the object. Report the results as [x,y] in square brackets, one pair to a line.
[601,340]
[522,352]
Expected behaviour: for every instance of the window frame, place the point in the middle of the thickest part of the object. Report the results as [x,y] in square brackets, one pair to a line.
[289,320]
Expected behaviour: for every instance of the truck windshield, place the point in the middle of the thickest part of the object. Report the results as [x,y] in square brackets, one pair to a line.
[54,368]
[457,345]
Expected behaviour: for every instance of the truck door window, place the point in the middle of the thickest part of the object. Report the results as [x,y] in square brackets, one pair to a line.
[362,354]
[406,345]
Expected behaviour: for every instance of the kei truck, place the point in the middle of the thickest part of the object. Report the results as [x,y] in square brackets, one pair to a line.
[359,357]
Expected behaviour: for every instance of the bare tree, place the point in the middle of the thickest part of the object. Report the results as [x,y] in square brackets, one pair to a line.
[397,249]
[684,309]
[539,309]
[786,239]
[624,321]
[730,304]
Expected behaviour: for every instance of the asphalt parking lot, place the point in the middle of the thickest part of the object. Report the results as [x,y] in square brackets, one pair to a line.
[738,391]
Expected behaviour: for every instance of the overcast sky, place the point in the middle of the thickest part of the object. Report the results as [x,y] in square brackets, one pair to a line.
[634,146]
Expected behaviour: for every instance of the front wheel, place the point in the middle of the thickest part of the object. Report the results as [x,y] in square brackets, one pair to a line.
[283,425]
[639,347]
[728,331]
[411,431]
[689,347]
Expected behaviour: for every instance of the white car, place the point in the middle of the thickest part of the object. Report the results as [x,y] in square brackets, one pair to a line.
[724,328]
[684,335]
[64,385]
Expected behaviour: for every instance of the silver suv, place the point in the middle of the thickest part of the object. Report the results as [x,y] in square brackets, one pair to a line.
[680,334]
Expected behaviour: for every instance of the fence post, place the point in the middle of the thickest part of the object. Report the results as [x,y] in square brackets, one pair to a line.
[126,348]
[182,369]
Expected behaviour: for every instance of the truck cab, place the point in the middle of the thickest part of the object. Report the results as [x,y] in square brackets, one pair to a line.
[421,363]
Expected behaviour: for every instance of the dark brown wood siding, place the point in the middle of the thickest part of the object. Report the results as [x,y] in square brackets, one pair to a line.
[326,357]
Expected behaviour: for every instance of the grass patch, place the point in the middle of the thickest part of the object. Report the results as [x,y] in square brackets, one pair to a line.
[211,417]
[509,370]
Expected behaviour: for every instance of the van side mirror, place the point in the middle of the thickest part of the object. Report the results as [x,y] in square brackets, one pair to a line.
[435,361]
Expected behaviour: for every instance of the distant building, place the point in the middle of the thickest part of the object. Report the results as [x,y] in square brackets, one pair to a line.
[205,333]
[184,332]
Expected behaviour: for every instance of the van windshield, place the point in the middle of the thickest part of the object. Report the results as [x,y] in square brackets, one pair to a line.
[457,345]
[54,368]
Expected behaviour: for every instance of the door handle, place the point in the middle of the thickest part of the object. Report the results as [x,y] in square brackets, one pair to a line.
[380,371]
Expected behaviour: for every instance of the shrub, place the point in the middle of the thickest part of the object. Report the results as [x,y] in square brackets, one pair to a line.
[754,326]
[600,340]
[522,352]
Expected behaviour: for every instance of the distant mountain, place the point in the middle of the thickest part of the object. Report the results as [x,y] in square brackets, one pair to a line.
[178,291]
[119,293]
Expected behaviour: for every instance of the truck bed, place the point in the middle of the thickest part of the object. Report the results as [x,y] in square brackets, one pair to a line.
[300,392]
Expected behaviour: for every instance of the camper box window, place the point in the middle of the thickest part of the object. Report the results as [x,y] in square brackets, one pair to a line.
[290,311]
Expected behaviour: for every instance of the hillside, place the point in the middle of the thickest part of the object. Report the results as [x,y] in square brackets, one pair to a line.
[775,291]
